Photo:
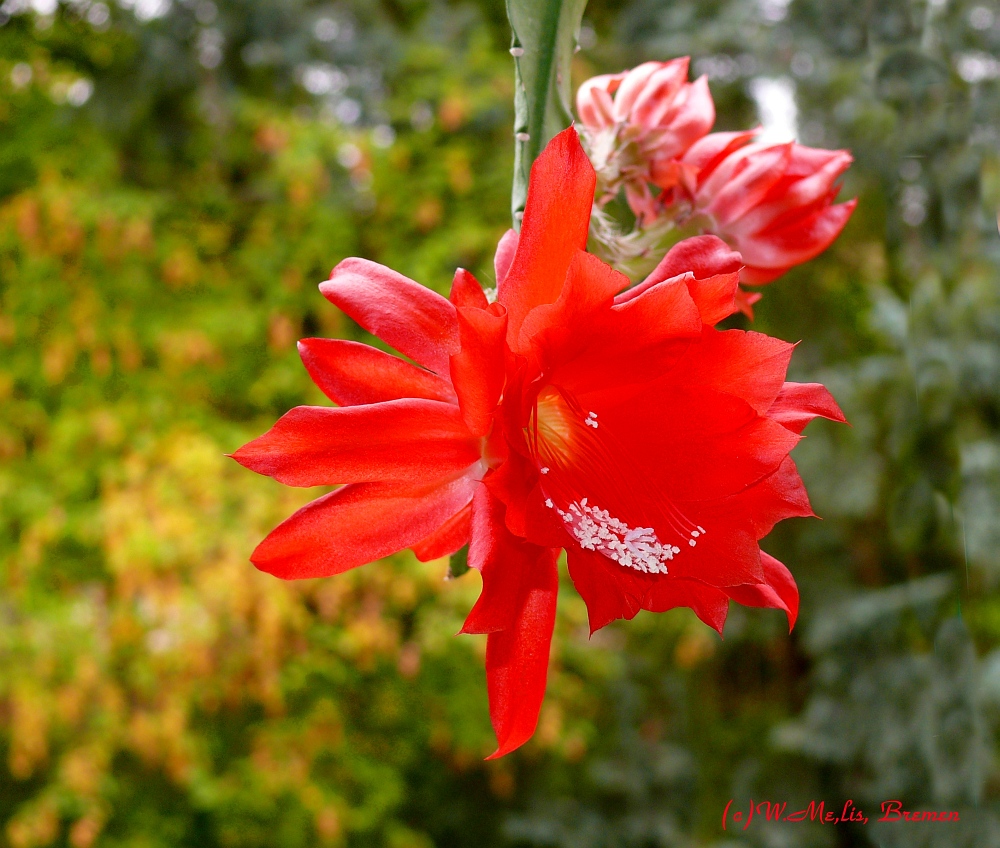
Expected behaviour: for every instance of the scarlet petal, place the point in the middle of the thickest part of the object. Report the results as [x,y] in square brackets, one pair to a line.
[447,539]
[716,297]
[355,525]
[351,373]
[609,590]
[477,370]
[590,286]
[799,403]
[778,592]
[506,248]
[411,440]
[777,497]
[466,291]
[517,659]
[554,229]
[746,365]
[709,604]
[508,566]
[414,320]
[726,445]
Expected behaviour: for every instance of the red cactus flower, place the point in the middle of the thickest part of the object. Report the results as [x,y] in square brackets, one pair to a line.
[574,413]
[639,122]
[771,202]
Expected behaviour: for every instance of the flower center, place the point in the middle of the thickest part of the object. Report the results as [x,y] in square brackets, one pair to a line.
[575,454]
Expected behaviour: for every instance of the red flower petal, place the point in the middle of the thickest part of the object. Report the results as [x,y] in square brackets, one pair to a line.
[554,228]
[778,592]
[697,443]
[447,539]
[590,286]
[466,291]
[355,525]
[799,403]
[507,564]
[414,320]
[747,365]
[609,590]
[477,370]
[410,440]
[351,373]
[709,604]
[517,659]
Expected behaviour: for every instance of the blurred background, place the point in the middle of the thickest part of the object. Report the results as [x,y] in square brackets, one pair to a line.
[176,178]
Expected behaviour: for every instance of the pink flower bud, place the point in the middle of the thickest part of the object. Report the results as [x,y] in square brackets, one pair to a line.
[772,202]
[654,102]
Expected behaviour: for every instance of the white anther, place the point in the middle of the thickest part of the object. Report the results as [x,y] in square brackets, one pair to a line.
[548,503]
[595,529]
[544,469]
[692,542]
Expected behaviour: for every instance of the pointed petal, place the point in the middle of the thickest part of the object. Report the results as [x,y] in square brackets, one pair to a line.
[351,373]
[355,525]
[466,291]
[414,320]
[477,370]
[411,440]
[506,248]
[799,403]
[517,659]
[777,497]
[554,228]
[747,365]
[778,592]
[709,604]
[448,538]
[609,590]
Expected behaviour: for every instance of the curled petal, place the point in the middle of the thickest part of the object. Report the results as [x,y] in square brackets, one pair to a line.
[777,592]
[700,256]
[799,403]
[414,320]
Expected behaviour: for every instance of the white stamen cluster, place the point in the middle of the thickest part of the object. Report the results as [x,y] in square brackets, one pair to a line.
[639,548]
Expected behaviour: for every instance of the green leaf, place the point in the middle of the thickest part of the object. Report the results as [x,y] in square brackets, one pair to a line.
[545,38]
[459,563]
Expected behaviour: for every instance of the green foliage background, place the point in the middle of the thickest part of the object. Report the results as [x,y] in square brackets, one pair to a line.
[160,243]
